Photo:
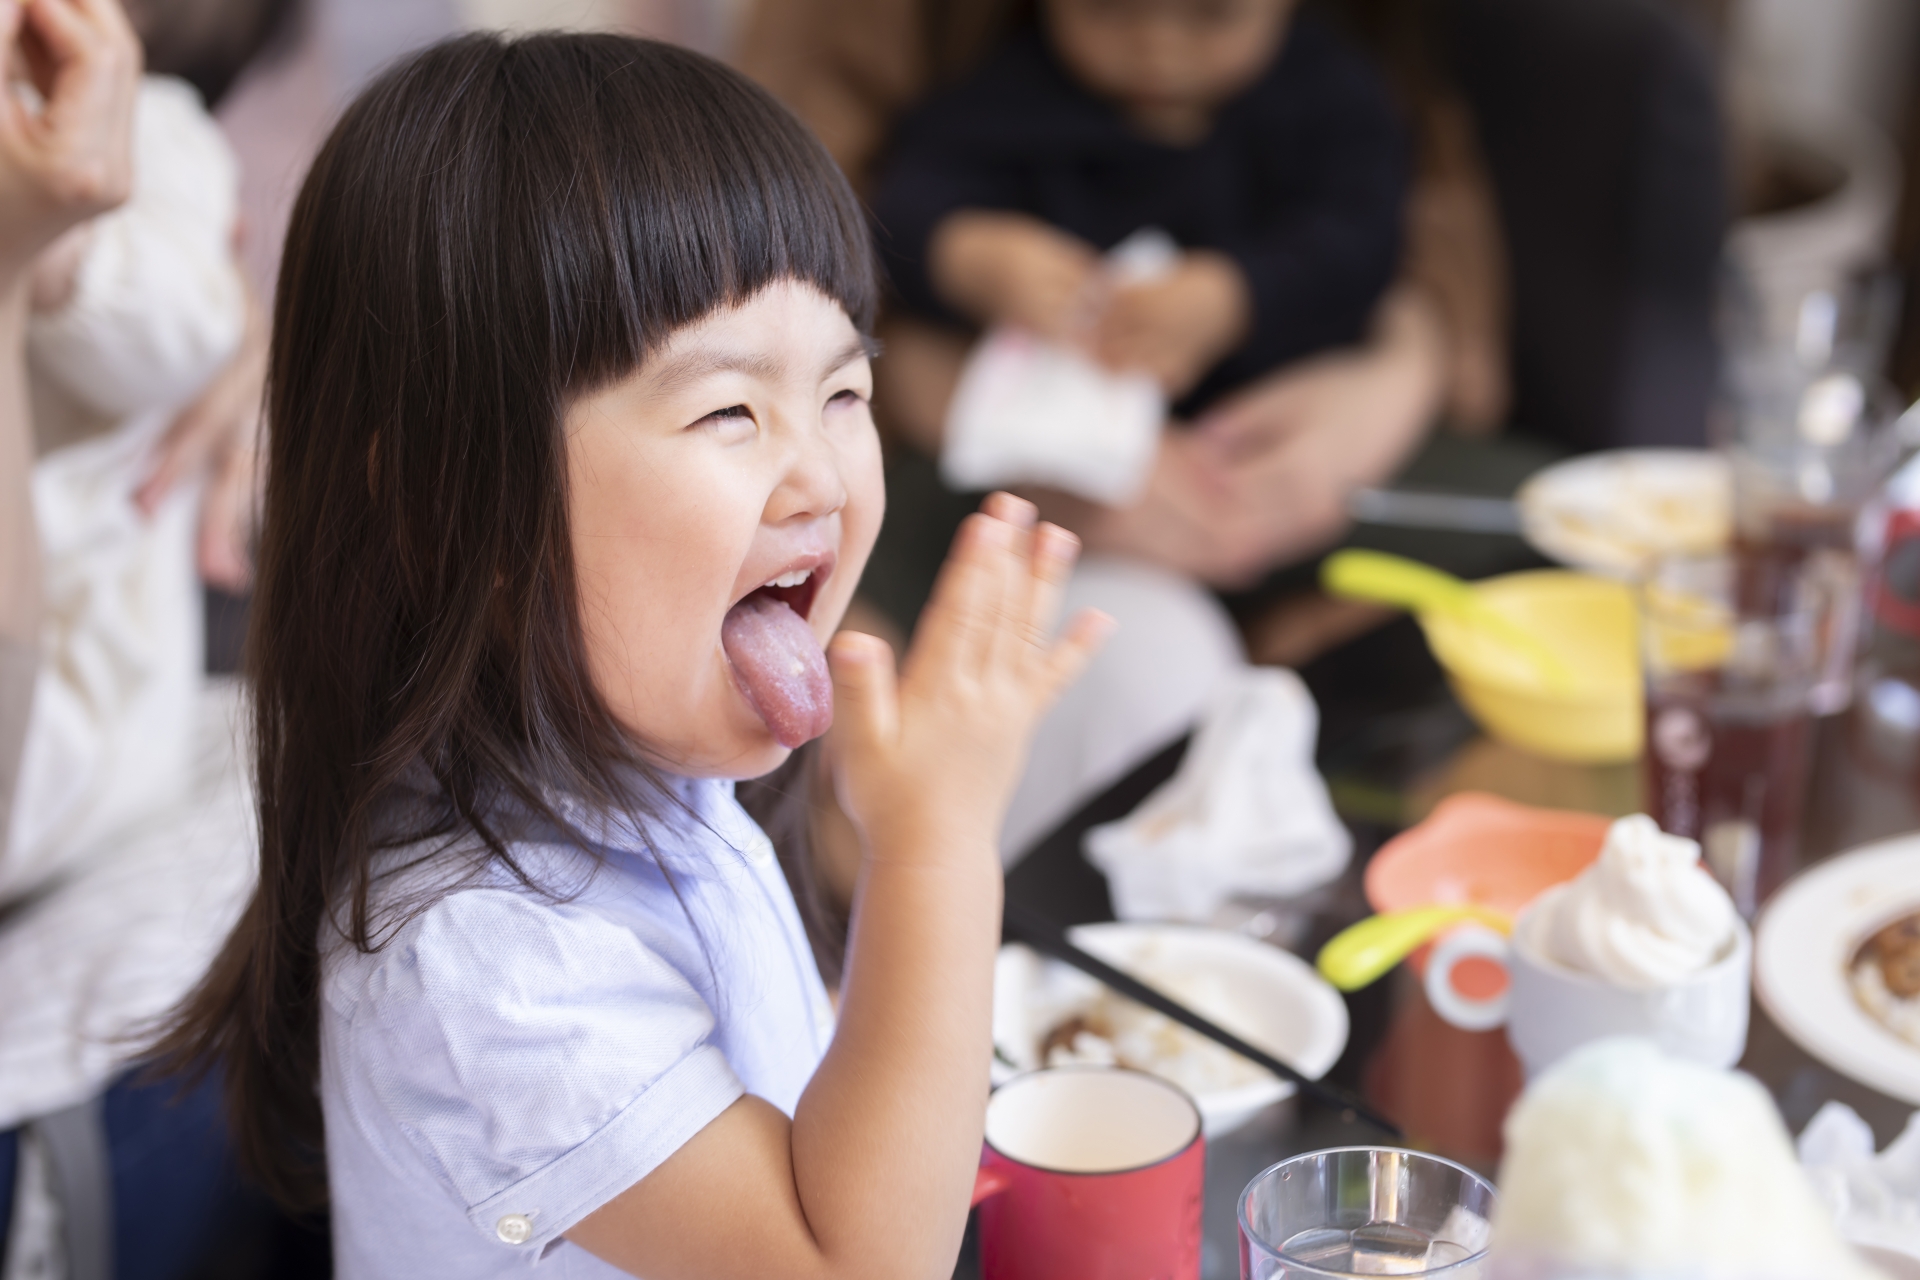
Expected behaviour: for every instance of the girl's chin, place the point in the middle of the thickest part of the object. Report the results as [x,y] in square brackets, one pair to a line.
[751,752]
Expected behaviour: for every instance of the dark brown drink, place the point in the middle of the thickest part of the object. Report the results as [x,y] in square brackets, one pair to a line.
[1729,769]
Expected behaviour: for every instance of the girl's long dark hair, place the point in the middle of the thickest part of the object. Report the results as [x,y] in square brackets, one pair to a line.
[494,228]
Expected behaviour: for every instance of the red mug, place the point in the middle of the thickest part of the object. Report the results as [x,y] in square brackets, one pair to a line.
[1090,1173]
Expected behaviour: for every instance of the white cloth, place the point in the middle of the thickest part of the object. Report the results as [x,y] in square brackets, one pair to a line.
[1875,1199]
[1146,687]
[1030,411]
[130,834]
[1247,813]
[507,1064]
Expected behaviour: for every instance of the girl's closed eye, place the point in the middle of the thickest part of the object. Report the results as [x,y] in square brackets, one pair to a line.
[733,423]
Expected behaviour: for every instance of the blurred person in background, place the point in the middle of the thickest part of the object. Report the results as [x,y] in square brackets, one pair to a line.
[1250,134]
[127,845]
[1562,235]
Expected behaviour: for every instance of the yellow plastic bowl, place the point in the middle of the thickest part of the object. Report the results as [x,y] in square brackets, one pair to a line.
[1591,622]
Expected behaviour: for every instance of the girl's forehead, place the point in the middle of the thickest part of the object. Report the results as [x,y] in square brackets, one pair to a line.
[783,330]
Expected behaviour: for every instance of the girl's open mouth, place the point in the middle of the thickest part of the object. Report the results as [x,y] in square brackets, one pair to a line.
[795,589]
[777,661]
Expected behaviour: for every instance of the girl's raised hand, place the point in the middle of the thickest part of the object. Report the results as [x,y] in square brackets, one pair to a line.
[938,748]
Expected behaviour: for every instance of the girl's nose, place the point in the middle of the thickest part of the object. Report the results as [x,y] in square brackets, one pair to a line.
[811,483]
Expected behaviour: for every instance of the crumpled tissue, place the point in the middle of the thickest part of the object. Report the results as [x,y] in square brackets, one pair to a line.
[1030,411]
[1875,1199]
[1245,814]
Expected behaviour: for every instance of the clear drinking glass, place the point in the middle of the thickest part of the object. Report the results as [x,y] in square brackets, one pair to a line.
[1733,647]
[1808,427]
[1365,1211]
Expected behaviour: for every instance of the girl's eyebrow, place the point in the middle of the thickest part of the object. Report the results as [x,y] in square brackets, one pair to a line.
[698,364]
[861,347]
[694,365]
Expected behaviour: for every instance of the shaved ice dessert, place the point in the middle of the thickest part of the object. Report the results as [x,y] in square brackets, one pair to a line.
[1624,1164]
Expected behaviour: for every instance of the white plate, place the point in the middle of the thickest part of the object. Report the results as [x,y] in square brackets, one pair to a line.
[1271,998]
[1806,940]
[1615,512]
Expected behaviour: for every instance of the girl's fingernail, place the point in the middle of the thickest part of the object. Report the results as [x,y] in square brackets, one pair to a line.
[1057,543]
[993,532]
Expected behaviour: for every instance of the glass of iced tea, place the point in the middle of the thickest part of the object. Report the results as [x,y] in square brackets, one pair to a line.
[1811,449]
[1732,648]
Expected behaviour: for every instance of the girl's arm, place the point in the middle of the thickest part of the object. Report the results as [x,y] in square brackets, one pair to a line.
[872,1176]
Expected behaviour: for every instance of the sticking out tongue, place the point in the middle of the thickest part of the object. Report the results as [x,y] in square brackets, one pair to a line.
[779,666]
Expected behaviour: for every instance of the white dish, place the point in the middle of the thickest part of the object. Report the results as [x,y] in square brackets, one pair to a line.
[1616,512]
[1805,945]
[1269,997]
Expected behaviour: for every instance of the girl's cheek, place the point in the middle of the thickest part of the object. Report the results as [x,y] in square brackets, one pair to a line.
[866,487]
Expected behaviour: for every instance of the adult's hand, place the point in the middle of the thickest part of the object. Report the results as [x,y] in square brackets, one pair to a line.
[1263,478]
[1178,326]
[218,434]
[70,156]
[1009,268]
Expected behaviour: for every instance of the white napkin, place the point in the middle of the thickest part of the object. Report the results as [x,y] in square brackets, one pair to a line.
[1875,1198]
[1036,412]
[1246,813]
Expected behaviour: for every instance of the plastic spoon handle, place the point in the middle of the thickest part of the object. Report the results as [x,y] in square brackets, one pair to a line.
[1374,575]
[1396,580]
[1361,954]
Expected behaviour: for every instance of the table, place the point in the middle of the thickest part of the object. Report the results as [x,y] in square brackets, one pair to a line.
[1448,1088]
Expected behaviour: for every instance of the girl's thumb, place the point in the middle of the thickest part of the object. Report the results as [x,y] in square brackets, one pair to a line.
[865,697]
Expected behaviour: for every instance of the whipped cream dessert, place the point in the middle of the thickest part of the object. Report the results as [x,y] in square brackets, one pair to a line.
[1624,1163]
[1646,914]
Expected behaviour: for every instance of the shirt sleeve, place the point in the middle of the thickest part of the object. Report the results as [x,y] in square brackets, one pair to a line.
[1315,272]
[934,168]
[158,303]
[540,1058]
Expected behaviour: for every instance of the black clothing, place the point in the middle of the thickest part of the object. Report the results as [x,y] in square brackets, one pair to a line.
[1600,124]
[1300,181]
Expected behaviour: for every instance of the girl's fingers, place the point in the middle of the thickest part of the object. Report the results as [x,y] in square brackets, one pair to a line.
[1017,512]
[866,704]
[1054,553]
[955,626]
[1075,648]
[1006,611]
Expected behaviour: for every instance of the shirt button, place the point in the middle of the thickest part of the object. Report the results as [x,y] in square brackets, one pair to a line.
[515,1228]
[760,851]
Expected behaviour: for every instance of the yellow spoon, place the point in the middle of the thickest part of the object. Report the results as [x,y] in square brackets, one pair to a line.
[1361,954]
[1396,580]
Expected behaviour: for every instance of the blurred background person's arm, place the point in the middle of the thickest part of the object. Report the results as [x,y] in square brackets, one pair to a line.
[59,164]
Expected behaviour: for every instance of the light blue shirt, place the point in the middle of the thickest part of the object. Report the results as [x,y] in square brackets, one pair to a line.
[507,1063]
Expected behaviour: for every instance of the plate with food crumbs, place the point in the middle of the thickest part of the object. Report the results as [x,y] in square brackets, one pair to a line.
[1837,964]
[1617,512]
[1046,1013]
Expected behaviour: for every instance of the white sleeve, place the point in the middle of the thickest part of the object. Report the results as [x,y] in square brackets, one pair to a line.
[539,1057]
[158,303]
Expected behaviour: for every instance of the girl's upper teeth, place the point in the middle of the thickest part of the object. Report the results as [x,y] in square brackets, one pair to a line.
[792,579]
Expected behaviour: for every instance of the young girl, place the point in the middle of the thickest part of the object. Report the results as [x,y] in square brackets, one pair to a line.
[571,475]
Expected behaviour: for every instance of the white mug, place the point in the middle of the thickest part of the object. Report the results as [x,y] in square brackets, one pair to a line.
[1550,1010]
